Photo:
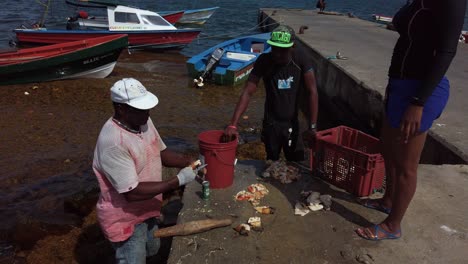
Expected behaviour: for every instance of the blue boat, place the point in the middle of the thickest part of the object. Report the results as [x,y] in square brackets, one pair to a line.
[235,62]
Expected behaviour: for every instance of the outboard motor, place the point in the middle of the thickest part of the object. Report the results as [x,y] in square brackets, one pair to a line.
[214,59]
[72,23]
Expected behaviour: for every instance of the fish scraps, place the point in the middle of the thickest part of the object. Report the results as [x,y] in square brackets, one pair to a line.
[281,171]
[254,223]
[255,192]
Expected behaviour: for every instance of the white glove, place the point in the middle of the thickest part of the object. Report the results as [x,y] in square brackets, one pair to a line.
[186,175]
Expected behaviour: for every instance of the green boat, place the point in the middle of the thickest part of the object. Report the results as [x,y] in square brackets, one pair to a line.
[87,58]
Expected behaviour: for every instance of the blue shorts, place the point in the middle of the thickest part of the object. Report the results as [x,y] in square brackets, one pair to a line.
[400,93]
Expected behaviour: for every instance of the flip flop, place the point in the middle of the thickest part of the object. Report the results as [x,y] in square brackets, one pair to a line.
[372,204]
[376,237]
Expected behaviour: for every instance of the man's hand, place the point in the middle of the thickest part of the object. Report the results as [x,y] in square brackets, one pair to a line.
[195,165]
[411,122]
[230,134]
[310,137]
[186,175]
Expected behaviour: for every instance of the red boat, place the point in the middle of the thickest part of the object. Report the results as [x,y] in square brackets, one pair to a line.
[155,39]
[173,17]
[145,29]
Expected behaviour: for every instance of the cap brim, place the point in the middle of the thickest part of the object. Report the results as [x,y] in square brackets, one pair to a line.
[281,45]
[145,102]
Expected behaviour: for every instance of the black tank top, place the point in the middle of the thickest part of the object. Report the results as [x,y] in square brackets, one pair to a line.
[429,32]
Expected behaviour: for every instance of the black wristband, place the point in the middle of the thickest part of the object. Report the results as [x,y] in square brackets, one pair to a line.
[417,101]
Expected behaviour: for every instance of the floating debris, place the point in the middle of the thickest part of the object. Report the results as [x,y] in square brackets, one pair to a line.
[281,171]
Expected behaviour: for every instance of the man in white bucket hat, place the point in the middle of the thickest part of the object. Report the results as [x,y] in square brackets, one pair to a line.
[128,162]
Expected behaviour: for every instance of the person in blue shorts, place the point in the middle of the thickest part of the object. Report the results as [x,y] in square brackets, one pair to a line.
[416,95]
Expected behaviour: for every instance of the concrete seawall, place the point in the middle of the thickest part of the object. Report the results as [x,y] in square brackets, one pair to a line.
[351,91]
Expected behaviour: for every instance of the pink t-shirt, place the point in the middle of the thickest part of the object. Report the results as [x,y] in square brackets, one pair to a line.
[123,159]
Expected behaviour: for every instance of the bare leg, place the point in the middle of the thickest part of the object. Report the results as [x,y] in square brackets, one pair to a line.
[407,160]
[390,169]
[388,147]
[404,161]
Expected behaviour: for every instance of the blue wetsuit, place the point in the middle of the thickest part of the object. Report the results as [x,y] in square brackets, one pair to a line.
[429,32]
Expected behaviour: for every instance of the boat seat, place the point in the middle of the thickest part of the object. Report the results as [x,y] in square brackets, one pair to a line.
[257,47]
[240,56]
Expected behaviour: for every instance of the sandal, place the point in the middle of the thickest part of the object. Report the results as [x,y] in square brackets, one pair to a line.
[375,234]
[376,205]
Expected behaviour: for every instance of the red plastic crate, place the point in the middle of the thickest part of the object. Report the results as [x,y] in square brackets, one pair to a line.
[349,159]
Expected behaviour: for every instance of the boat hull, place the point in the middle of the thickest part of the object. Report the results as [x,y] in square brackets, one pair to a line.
[382,19]
[193,16]
[167,39]
[95,61]
[236,63]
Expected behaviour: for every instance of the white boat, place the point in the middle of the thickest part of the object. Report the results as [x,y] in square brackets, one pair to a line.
[190,16]
[145,30]
[382,19]
[121,17]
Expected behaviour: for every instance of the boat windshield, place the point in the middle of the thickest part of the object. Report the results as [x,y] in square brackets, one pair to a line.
[154,20]
[123,17]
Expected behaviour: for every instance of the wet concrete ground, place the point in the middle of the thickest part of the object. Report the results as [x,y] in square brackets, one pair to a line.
[47,138]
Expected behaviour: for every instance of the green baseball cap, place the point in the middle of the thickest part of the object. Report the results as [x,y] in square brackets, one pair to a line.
[282,36]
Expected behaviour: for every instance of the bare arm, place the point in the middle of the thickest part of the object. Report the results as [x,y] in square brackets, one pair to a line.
[148,190]
[311,87]
[174,159]
[249,89]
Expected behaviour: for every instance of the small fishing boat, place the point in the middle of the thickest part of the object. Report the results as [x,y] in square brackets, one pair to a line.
[382,19]
[194,16]
[145,30]
[230,62]
[190,16]
[101,21]
[88,58]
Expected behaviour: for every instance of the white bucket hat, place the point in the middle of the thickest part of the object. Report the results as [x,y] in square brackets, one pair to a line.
[132,92]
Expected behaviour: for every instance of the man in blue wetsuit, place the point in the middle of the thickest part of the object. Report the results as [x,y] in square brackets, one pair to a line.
[287,75]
